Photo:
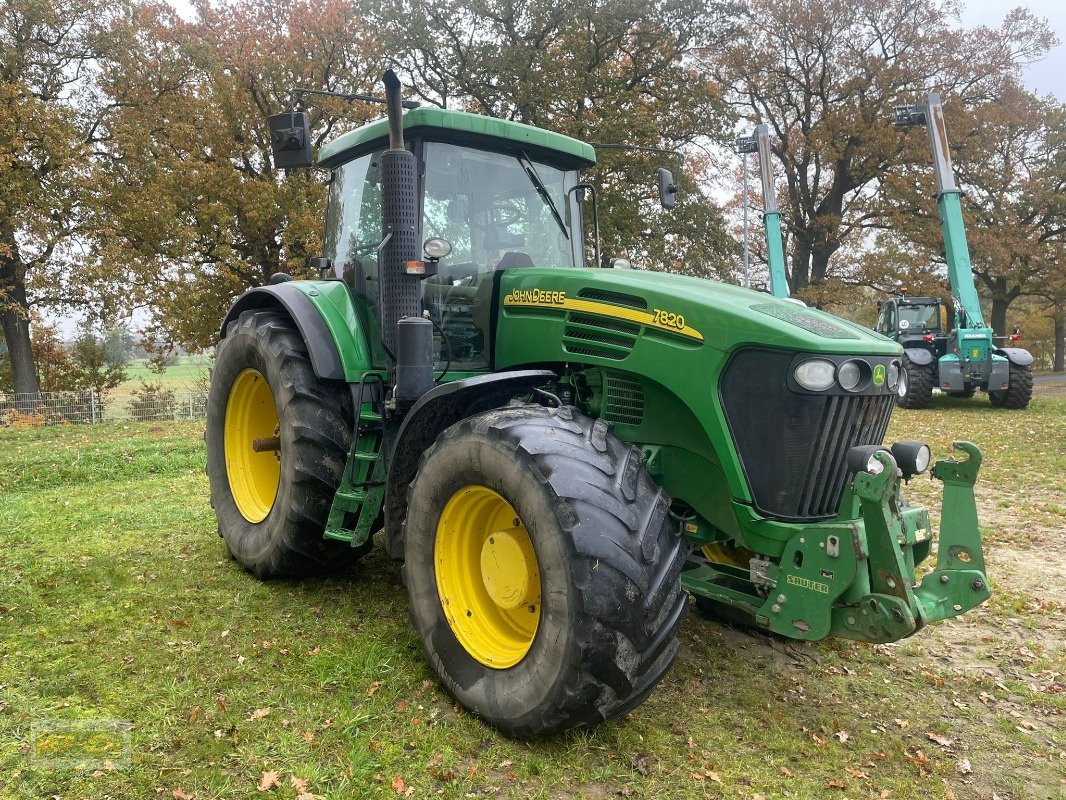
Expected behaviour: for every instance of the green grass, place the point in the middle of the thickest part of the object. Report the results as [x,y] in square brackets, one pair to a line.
[118,600]
[184,374]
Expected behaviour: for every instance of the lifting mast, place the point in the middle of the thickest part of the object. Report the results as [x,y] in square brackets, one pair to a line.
[775,252]
[948,200]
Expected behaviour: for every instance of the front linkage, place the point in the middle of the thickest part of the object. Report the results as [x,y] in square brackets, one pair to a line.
[855,579]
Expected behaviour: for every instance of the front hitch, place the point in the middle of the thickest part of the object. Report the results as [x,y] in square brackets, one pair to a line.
[894,607]
[959,582]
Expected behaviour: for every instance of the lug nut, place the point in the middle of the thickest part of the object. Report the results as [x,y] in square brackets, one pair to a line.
[944,578]
[977,585]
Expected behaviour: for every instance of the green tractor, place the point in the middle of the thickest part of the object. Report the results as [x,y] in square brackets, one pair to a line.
[558,454]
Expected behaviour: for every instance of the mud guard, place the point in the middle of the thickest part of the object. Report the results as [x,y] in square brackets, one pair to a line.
[1016,355]
[436,410]
[919,355]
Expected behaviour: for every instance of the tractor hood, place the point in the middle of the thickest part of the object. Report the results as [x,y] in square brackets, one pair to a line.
[689,311]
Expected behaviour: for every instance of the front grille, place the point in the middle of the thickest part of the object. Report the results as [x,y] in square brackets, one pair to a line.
[793,447]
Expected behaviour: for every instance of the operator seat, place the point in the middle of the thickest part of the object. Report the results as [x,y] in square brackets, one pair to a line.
[514,259]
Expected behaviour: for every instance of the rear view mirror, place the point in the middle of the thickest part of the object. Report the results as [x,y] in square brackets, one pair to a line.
[667,188]
[290,139]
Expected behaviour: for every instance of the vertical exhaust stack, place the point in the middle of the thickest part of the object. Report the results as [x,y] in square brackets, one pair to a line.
[401,294]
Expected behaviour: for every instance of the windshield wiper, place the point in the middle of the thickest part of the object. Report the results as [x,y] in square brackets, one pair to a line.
[542,190]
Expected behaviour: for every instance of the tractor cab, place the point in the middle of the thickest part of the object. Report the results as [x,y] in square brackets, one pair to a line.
[492,197]
[920,322]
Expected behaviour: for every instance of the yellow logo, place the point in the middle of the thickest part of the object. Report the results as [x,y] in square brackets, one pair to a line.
[879,375]
[657,318]
[807,583]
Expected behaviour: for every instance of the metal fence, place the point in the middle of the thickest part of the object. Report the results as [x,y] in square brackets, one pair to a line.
[94,408]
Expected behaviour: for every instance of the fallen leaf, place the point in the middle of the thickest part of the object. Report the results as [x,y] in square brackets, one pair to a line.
[786,772]
[836,784]
[818,740]
[194,714]
[218,733]
[713,776]
[268,780]
[220,701]
[842,736]
[180,794]
[857,773]
[398,784]
[299,784]
[373,689]
[401,706]
[963,766]
[259,713]
[903,723]
[943,741]
[306,796]
[307,736]
[640,764]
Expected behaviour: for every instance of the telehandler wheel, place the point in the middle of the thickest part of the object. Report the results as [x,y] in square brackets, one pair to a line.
[277,439]
[916,385]
[1019,389]
[543,569]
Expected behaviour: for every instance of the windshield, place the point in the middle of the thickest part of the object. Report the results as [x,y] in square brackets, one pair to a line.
[498,210]
[925,317]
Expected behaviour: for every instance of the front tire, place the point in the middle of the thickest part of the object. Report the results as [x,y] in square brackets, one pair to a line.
[272,505]
[578,628]
[916,386]
[1019,389]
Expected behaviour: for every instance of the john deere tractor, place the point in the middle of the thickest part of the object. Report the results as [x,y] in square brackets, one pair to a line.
[559,454]
[954,351]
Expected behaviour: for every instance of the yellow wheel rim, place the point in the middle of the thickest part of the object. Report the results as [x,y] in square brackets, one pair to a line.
[488,578]
[251,415]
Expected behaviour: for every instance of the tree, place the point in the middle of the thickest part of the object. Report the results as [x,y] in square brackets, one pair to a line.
[48,117]
[91,366]
[618,71]
[50,356]
[197,211]
[825,77]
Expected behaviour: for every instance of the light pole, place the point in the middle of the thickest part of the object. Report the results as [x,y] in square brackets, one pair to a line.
[745,145]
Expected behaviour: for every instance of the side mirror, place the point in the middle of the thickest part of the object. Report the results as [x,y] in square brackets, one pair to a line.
[319,265]
[667,188]
[290,139]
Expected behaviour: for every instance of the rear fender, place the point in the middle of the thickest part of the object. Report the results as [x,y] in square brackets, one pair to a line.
[919,355]
[436,410]
[325,316]
[1016,355]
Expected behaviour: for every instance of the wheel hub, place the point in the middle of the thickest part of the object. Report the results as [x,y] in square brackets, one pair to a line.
[506,570]
[488,578]
[253,463]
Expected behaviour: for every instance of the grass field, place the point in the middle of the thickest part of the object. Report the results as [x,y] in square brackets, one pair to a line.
[118,601]
[185,373]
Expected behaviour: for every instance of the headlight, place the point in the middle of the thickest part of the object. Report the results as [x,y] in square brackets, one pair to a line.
[893,376]
[815,375]
[912,457]
[436,247]
[849,375]
[862,459]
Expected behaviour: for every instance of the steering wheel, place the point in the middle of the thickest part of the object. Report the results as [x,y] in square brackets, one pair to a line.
[505,215]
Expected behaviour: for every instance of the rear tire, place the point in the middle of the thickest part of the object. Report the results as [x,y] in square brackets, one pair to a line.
[608,559]
[918,390]
[314,425]
[1019,389]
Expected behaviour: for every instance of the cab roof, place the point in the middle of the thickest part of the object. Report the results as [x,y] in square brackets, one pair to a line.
[462,128]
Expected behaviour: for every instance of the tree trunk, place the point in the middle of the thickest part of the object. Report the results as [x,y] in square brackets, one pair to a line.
[801,264]
[1060,338]
[998,320]
[16,321]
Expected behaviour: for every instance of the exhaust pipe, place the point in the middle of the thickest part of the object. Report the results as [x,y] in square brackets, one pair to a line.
[400,293]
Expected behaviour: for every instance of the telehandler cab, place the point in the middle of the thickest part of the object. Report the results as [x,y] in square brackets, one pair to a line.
[557,453]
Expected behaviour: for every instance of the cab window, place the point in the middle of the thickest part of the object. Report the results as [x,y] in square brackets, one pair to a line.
[353,224]
[499,211]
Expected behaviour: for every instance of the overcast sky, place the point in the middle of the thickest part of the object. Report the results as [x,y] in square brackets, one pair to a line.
[1047,76]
